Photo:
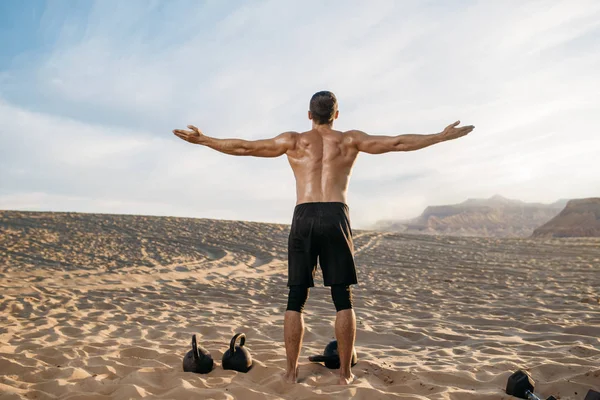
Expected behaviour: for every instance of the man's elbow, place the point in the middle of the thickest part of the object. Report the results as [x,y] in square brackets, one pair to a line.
[404,147]
[245,149]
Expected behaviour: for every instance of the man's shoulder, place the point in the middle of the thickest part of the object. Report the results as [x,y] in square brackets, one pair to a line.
[355,132]
[347,138]
[354,136]
[351,132]
[288,135]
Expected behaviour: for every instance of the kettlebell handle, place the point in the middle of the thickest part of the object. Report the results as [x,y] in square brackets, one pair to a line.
[194,347]
[233,340]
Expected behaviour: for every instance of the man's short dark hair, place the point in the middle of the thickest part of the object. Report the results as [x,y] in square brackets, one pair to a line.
[323,106]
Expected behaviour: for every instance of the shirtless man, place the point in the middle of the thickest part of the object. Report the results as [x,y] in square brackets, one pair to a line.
[322,160]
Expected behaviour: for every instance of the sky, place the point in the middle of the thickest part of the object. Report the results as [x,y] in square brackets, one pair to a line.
[91,91]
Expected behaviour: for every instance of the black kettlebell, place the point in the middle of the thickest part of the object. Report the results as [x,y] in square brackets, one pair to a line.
[331,357]
[237,358]
[197,360]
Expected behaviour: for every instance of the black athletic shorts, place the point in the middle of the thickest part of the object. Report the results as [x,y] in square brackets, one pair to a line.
[321,230]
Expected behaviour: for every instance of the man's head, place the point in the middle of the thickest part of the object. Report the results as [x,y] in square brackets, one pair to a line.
[323,108]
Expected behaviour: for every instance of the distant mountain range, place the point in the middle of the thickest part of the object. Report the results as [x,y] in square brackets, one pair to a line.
[495,217]
[579,218]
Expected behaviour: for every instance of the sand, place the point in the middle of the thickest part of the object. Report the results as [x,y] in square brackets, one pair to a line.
[103,307]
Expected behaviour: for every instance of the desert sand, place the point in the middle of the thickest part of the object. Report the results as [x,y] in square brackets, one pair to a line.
[103,307]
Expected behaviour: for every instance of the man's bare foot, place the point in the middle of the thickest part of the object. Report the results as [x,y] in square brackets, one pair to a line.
[291,377]
[347,381]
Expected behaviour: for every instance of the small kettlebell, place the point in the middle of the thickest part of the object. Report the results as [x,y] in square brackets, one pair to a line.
[197,360]
[237,358]
[331,357]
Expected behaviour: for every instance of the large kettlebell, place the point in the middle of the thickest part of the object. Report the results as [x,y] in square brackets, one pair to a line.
[237,358]
[197,360]
[331,357]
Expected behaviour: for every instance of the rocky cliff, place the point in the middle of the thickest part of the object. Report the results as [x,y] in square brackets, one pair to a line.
[495,217]
[580,218]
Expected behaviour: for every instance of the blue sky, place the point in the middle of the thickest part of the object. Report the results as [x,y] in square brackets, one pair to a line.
[90,91]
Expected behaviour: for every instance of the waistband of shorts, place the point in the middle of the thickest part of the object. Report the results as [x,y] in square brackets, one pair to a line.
[319,205]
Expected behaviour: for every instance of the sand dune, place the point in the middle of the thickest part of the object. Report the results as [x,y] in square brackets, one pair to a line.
[103,307]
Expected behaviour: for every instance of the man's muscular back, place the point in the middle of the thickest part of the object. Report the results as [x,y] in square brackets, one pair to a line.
[322,161]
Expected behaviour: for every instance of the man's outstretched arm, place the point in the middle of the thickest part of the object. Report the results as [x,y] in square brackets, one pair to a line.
[273,147]
[385,144]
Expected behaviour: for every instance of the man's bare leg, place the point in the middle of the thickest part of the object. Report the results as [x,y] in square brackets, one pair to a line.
[293,332]
[345,331]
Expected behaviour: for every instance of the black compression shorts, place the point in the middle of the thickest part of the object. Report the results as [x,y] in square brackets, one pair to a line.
[321,230]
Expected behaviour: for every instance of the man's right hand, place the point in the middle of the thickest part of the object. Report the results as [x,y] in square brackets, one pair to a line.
[452,132]
[194,136]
